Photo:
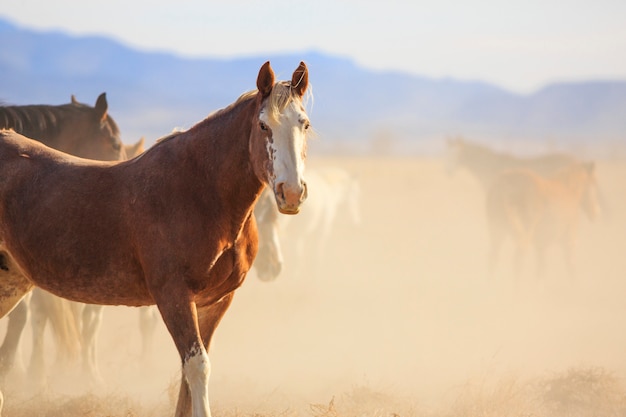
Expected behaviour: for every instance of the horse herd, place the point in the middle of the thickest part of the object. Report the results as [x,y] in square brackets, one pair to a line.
[533,201]
[179,225]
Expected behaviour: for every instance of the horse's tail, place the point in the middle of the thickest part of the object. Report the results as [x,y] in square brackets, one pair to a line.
[65,328]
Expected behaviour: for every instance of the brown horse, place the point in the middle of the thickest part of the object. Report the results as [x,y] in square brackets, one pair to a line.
[76,325]
[80,130]
[75,128]
[538,211]
[172,227]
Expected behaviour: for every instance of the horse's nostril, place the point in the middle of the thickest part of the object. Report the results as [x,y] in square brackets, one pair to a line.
[305,191]
[280,190]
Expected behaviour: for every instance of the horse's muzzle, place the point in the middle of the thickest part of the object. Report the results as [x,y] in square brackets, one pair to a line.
[289,198]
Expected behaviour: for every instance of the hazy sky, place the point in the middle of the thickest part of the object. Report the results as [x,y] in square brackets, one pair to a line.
[519,45]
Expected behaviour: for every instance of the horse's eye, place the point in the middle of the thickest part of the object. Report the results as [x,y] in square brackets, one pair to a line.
[307,125]
[263,126]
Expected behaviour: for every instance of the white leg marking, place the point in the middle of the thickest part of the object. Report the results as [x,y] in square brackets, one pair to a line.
[197,369]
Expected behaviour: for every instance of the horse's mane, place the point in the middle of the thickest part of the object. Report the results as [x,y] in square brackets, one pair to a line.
[44,118]
[278,100]
[24,118]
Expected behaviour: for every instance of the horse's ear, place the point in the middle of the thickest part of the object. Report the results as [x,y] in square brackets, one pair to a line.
[265,80]
[102,106]
[300,79]
[74,101]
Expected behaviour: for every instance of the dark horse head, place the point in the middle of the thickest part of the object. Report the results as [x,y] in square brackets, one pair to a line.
[74,128]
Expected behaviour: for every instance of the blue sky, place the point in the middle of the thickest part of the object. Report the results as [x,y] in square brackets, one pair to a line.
[518,45]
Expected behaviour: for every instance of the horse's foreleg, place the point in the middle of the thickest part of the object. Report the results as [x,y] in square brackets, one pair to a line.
[208,319]
[181,319]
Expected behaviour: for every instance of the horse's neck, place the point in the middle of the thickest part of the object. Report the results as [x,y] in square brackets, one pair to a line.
[217,152]
[35,122]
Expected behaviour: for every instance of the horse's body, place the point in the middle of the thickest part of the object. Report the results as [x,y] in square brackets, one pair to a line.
[536,211]
[486,164]
[173,227]
[76,325]
[80,130]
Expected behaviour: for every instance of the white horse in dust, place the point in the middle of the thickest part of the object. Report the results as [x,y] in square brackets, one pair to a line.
[332,190]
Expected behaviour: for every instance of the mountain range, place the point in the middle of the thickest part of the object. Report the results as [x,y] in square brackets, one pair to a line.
[354,108]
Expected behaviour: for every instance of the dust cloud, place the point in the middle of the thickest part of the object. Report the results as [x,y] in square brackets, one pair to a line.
[399,315]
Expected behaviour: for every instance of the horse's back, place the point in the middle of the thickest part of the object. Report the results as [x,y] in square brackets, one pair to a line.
[23,159]
[67,211]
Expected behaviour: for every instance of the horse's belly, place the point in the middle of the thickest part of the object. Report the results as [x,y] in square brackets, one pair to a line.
[113,288]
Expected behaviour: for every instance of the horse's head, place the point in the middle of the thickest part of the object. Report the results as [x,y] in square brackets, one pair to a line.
[93,133]
[278,137]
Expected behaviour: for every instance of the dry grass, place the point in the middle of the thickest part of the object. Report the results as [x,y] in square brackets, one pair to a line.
[581,392]
[88,405]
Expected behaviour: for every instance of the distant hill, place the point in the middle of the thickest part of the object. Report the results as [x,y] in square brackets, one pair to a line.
[150,93]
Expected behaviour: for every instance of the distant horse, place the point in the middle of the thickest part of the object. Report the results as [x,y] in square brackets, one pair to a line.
[78,129]
[486,164]
[334,190]
[172,227]
[536,211]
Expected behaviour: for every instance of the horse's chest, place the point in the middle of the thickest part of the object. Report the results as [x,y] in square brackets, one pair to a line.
[228,272]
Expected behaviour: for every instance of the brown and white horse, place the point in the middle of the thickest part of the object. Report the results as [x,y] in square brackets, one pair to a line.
[173,227]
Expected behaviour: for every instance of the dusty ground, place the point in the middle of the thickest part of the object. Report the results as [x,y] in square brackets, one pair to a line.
[399,318]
